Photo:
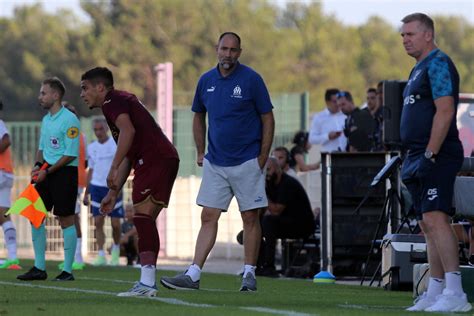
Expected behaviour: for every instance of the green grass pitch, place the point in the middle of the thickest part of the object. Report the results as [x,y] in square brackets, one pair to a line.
[95,288]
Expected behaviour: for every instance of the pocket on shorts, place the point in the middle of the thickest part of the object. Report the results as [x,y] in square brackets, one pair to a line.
[258,165]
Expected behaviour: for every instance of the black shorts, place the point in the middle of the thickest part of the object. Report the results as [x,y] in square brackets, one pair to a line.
[59,191]
[433,192]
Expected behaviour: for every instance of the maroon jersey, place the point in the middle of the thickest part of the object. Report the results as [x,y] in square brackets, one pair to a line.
[149,142]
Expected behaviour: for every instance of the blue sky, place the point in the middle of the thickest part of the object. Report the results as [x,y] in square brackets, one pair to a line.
[348,11]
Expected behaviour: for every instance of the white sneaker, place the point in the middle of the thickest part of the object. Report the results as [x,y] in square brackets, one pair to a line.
[449,301]
[422,302]
[140,289]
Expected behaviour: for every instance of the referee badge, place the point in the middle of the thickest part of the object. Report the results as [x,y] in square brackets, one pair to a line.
[72,132]
[54,142]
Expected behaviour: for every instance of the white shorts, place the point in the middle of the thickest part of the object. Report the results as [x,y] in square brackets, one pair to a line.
[246,182]
[6,185]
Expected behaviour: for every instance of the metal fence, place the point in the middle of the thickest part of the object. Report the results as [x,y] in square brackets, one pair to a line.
[291,115]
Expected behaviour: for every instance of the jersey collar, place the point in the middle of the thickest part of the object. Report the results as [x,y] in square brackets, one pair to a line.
[428,57]
[57,114]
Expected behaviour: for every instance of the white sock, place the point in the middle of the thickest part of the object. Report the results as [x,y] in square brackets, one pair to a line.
[435,287]
[9,232]
[453,282]
[78,255]
[102,253]
[147,276]
[249,269]
[194,272]
[115,247]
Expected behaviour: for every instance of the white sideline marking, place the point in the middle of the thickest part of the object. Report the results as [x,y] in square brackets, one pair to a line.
[278,312]
[172,301]
[132,282]
[368,307]
[106,280]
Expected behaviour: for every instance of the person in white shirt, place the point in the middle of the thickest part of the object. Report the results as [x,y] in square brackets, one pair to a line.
[100,155]
[327,125]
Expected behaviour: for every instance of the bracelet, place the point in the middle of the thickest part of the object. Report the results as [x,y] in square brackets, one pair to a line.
[38,164]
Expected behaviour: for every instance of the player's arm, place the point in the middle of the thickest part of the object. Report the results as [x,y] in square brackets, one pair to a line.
[441,122]
[5,143]
[38,164]
[268,129]
[63,161]
[108,202]
[199,133]
[123,172]
[124,143]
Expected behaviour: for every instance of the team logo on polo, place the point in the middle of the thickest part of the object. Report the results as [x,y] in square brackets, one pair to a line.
[72,132]
[54,142]
[237,92]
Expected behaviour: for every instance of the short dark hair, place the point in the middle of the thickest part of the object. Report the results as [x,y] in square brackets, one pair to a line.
[229,33]
[329,93]
[345,94]
[422,18]
[286,151]
[56,85]
[371,90]
[99,74]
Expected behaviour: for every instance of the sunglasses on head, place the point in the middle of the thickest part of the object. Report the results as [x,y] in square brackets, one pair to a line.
[341,94]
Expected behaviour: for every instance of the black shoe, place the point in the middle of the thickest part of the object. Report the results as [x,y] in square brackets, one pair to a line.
[64,276]
[33,274]
[471,260]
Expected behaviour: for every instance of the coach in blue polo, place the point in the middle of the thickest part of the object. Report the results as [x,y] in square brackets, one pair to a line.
[57,184]
[240,135]
[435,155]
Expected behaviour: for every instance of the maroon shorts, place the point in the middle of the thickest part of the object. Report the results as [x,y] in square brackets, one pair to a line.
[155,179]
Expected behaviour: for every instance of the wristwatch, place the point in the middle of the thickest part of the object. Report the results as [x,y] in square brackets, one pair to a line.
[430,155]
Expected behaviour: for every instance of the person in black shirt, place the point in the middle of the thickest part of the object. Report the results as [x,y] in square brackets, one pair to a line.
[358,126]
[288,214]
[374,106]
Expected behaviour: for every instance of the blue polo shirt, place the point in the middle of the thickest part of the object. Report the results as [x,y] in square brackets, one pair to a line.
[60,136]
[234,105]
[433,77]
